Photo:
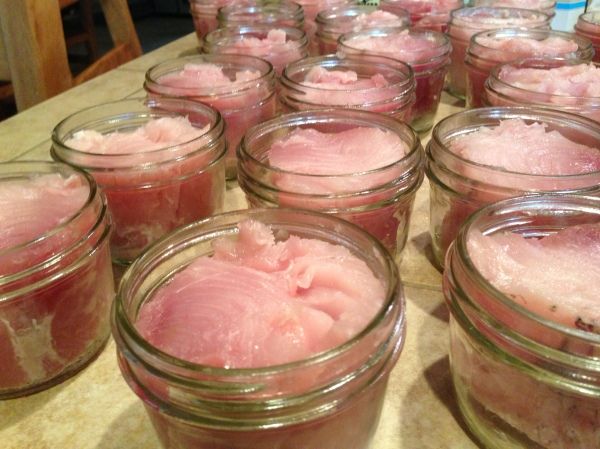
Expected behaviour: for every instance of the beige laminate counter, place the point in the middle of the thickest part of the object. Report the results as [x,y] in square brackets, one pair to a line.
[96,410]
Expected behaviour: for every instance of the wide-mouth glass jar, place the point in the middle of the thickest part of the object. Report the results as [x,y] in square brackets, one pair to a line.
[329,400]
[160,162]
[432,15]
[487,49]
[557,83]
[379,200]
[204,15]
[274,14]
[545,6]
[523,377]
[371,83]
[427,53]
[588,26]
[465,22]
[459,185]
[334,22]
[56,282]
[278,45]
[311,9]
[245,94]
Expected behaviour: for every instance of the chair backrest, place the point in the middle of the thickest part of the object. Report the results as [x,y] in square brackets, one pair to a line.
[35,47]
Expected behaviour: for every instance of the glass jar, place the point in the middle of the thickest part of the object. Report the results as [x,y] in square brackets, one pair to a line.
[311,9]
[242,103]
[588,26]
[501,91]
[149,193]
[483,54]
[334,22]
[204,15]
[395,99]
[262,41]
[429,60]
[545,6]
[465,22]
[432,15]
[274,14]
[459,186]
[522,380]
[378,200]
[56,283]
[330,400]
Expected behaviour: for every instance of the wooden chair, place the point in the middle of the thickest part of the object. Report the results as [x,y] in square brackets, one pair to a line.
[36,50]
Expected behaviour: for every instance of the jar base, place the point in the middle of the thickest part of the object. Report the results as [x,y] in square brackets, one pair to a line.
[61,377]
[487,427]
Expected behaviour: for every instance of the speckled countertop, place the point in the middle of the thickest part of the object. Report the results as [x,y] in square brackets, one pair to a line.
[96,409]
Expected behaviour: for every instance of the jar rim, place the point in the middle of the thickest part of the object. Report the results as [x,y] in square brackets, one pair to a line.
[466,15]
[584,45]
[442,48]
[350,62]
[505,113]
[591,17]
[538,63]
[350,12]
[331,115]
[243,62]
[213,227]
[29,168]
[223,37]
[61,131]
[534,204]
[282,7]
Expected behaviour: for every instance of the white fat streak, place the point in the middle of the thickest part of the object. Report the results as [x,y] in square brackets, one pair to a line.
[33,345]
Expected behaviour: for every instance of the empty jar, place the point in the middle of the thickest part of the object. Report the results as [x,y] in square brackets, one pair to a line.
[160,162]
[465,22]
[524,341]
[56,282]
[241,88]
[480,156]
[371,83]
[588,26]
[360,166]
[326,400]
[427,53]
[490,48]
[570,85]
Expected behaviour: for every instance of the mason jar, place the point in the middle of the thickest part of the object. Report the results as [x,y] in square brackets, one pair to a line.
[427,53]
[56,282]
[278,45]
[311,9]
[381,85]
[274,14]
[487,49]
[545,6]
[556,83]
[332,23]
[204,15]
[379,200]
[432,15]
[524,376]
[588,26]
[465,22]
[328,400]
[176,176]
[246,96]
[459,186]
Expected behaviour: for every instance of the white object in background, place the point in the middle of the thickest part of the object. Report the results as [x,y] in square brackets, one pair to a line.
[567,12]
[593,5]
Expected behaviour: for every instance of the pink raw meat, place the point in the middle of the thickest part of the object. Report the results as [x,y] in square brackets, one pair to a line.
[146,202]
[581,80]
[375,19]
[49,331]
[556,277]
[241,103]
[517,147]
[427,55]
[257,302]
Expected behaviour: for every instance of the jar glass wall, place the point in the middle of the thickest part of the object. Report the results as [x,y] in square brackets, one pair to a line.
[588,26]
